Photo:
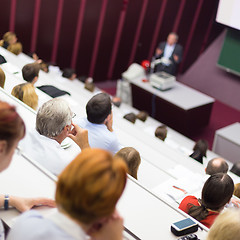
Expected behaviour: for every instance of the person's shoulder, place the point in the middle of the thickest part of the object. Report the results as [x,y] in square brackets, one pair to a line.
[31,225]
[189,199]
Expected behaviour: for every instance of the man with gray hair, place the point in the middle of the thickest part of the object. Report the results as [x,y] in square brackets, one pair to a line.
[53,125]
[216,165]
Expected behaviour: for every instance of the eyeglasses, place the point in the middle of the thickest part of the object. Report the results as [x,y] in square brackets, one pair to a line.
[73,115]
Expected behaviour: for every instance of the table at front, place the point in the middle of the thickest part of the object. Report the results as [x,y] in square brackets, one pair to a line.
[227,142]
[181,108]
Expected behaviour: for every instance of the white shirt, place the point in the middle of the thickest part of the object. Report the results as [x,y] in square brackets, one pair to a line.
[168,50]
[99,136]
[33,226]
[45,151]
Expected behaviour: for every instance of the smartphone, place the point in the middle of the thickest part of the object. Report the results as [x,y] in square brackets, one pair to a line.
[184,226]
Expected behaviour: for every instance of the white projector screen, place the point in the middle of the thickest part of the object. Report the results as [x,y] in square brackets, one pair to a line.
[229,13]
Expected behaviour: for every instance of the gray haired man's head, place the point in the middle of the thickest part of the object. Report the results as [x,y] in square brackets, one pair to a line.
[52,117]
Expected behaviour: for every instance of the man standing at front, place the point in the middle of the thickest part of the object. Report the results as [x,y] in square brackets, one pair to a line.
[170,55]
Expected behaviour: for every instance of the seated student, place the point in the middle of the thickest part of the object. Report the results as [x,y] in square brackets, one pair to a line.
[69,73]
[216,192]
[53,125]
[99,123]
[86,196]
[30,72]
[226,226]
[237,190]
[131,117]
[161,132]
[26,93]
[236,169]
[2,78]
[12,130]
[15,48]
[200,150]
[9,38]
[216,165]
[132,157]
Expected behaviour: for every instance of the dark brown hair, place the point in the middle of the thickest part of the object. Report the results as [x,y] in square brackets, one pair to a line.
[216,192]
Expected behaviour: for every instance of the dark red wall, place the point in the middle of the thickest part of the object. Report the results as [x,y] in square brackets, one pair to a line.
[71,33]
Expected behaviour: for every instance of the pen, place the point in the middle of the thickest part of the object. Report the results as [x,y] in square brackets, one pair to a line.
[185,192]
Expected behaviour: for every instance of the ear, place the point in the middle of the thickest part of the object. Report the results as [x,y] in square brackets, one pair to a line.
[3,146]
[35,80]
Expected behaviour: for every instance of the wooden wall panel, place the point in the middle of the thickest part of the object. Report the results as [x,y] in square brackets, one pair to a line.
[23,22]
[4,16]
[67,33]
[130,32]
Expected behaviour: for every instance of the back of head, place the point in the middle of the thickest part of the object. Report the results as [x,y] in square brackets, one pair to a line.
[30,71]
[8,39]
[98,108]
[90,186]
[11,124]
[132,157]
[202,146]
[236,168]
[161,132]
[2,78]
[216,165]
[226,226]
[52,117]
[15,48]
[216,192]
[142,115]
[68,72]
[26,93]
[131,117]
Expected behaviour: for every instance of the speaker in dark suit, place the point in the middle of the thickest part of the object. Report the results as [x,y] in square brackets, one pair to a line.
[170,55]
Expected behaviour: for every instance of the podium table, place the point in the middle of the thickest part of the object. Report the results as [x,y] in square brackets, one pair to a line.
[181,107]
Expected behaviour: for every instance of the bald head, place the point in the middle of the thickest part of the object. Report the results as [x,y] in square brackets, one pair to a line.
[217,165]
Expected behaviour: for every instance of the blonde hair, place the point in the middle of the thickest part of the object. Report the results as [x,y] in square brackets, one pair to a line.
[226,226]
[90,186]
[26,93]
[132,157]
[237,190]
[15,48]
[2,78]
[7,38]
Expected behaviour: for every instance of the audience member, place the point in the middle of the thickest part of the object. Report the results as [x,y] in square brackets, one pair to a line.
[161,132]
[216,192]
[87,192]
[53,125]
[69,73]
[132,157]
[26,93]
[226,226]
[12,130]
[142,115]
[200,150]
[216,165]
[237,190]
[2,78]
[15,48]
[236,169]
[9,38]
[44,67]
[30,72]
[131,117]
[99,123]
[170,54]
